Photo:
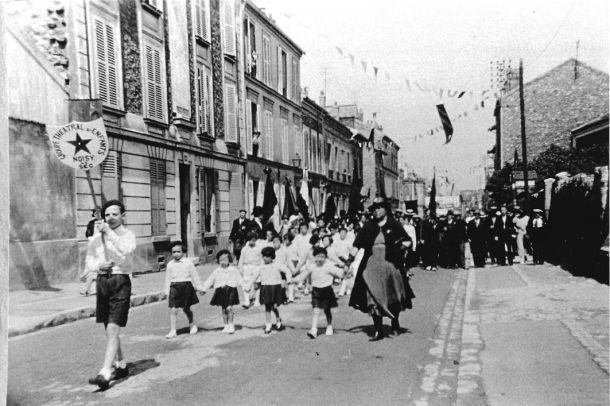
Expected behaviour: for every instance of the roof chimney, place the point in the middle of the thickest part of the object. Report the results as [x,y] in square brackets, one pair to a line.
[322,99]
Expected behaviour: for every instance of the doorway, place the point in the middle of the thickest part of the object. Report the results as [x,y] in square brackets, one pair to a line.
[185,202]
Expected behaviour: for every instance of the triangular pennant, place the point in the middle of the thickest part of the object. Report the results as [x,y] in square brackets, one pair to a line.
[364,66]
[375,69]
[461,94]
[419,87]
[352,58]
[339,50]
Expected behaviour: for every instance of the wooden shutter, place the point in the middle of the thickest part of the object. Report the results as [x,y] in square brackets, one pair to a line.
[236,195]
[297,141]
[231,113]
[250,194]
[269,125]
[280,76]
[295,83]
[154,88]
[201,19]
[105,61]
[249,126]
[229,24]
[111,176]
[157,196]
[284,140]
[266,61]
[207,96]
[289,78]
[201,96]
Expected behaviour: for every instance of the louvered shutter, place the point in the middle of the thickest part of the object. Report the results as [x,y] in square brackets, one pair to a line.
[266,61]
[231,113]
[105,61]
[249,126]
[269,125]
[157,196]
[284,141]
[236,195]
[111,176]
[250,194]
[295,83]
[154,87]
[201,96]
[280,76]
[229,24]
[201,19]
[289,78]
[297,140]
[206,107]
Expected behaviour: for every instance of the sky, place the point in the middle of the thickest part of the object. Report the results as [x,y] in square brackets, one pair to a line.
[439,45]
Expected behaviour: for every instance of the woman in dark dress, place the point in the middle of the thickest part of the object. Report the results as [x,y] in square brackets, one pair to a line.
[381,287]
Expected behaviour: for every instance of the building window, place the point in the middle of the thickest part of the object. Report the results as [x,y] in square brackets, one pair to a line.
[231,108]
[284,141]
[157,196]
[266,60]
[269,133]
[105,61]
[250,47]
[155,103]
[207,200]
[297,141]
[229,26]
[282,72]
[295,82]
[111,177]
[202,21]
[252,119]
[203,95]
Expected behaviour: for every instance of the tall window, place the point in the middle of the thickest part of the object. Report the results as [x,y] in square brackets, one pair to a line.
[269,133]
[295,82]
[282,72]
[157,196]
[155,105]
[284,140]
[203,96]
[252,120]
[266,60]
[231,108]
[250,47]
[105,61]
[202,20]
[111,177]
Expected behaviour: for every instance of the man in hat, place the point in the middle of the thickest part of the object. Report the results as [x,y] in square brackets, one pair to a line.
[110,253]
[256,224]
[240,228]
[492,244]
[504,234]
[452,237]
[476,237]
[535,230]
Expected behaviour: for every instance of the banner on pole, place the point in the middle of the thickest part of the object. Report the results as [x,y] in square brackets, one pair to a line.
[80,145]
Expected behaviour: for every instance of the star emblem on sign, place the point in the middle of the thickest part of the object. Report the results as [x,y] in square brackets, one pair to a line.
[80,144]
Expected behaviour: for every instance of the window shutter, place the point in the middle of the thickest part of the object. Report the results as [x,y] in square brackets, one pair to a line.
[229,23]
[157,202]
[285,141]
[201,94]
[250,194]
[105,61]
[269,135]
[280,75]
[154,86]
[249,126]
[297,141]
[206,107]
[261,193]
[295,87]
[111,176]
[289,79]
[201,19]
[231,116]
[266,61]
[157,84]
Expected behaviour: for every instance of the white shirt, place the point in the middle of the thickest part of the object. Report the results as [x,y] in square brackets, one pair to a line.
[182,270]
[228,276]
[120,247]
[342,247]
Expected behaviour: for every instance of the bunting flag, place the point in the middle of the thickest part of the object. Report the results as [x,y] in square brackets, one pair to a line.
[445,122]
[461,94]
[375,70]
[419,87]
[432,204]
[339,50]
[289,203]
[364,66]
[408,85]
[303,197]
[330,209]
[269,198]
[440,93]
[352,58]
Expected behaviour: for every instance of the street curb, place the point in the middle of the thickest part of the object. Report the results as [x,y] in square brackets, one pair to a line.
[85,312]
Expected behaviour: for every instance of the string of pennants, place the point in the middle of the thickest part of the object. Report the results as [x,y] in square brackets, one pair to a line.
[413,86]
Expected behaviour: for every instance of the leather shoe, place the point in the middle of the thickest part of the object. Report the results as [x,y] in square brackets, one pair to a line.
[120,373]
[378,337]
[100,381]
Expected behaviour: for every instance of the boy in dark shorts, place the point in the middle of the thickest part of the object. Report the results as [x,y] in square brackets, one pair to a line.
[110,254]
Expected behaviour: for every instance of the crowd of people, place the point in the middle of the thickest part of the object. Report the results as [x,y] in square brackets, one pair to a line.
[367,257]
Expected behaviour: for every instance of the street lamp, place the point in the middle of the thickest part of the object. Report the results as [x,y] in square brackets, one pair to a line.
[296,161]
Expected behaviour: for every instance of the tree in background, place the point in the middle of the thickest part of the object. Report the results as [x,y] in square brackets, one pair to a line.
[557,159]
[499,185]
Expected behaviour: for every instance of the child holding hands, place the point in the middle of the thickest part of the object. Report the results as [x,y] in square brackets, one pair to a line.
[179,279]
[225,279]
[322,295]
[272,295]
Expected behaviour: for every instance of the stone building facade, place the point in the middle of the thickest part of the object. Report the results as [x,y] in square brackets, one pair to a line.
[164,76]
[560,100]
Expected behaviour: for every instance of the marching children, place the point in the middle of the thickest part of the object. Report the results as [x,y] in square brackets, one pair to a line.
[282,257]
[225,279]
[249,260]
[179,279]
[322,294]
[272,295]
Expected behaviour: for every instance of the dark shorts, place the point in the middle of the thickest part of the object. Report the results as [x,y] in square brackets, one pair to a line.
[225,296]
[113,299]
[323,298]
[182,295]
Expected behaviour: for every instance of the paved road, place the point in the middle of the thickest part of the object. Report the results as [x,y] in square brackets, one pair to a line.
[247,368]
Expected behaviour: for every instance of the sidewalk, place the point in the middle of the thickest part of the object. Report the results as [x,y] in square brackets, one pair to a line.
[31,310]
[533,335]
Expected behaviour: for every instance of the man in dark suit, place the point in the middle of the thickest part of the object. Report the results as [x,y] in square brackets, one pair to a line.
[240,228]
[476,237]
[430,242]
[452,237]
[490,233]
[504,235]
[535,229]
[256,224]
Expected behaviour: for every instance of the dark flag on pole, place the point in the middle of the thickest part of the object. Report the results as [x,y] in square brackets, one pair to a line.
[269,198]
[432,205]
[303,197]
[289,204]
[445,121]
[354,198]
[330,209]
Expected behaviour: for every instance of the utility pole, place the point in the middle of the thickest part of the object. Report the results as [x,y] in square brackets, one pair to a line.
[523,140]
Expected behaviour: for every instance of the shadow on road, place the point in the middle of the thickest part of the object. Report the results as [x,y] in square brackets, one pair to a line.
[135,368]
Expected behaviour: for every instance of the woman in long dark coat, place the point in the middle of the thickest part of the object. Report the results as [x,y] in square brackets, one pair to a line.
[381,287]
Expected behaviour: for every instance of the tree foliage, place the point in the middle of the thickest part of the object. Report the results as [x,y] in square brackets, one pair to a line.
[499,185]
[557,159]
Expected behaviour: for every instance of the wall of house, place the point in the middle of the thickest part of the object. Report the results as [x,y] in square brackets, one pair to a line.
[555,103]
